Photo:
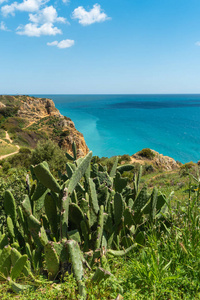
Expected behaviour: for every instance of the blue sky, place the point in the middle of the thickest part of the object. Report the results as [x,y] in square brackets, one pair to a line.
[105,46]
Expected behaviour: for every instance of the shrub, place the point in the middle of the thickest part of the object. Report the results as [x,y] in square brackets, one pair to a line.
[188,165]
[6,166]
[21,159]
[65,133]
[186,168]
[95,159]
[147,153]
[14,180]
[25,150]
[125,158]
[50,152]
[9,111]
[149,168]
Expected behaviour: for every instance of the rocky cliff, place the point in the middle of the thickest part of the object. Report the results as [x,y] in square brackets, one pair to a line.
[155,159]
[36,108]
[30,119]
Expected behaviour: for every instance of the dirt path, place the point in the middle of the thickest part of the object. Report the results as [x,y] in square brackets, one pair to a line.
[168,173]
[139,161]
[8,137]
[29,125]
[34,122]
[6,155]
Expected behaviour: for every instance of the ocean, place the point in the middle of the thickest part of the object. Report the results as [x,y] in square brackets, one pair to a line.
[124,124]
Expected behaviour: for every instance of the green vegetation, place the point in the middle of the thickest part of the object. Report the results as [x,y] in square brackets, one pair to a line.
[147,153]
[6,148]
[95,231]
[10,100]
[9,111]
[2,134]
[45,150]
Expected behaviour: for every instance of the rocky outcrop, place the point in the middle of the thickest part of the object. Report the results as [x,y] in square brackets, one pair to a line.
[165,162]
[78,138]
[2,105]
[37,108]
[158,161]
[72,135]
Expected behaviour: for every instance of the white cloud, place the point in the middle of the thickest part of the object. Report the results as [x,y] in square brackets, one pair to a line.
[30,5]
[62,44]
[3,26]
[197,43]
[46,15]
[66,1]
[31,29]
[41,23]
[89,17]
[1,1]
[8,9]
[26,5]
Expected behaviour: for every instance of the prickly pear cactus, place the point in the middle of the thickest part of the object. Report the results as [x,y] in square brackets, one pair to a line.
[77,220]
[52,261]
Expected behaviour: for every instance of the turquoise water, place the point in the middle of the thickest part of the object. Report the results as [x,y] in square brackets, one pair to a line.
[125,124]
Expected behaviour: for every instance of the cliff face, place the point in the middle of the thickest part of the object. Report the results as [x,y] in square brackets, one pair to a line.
[30,119]
[37,108]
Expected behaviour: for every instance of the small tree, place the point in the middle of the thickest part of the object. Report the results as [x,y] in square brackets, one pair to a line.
[50,152]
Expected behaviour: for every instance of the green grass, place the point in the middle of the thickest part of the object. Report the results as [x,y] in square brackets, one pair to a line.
[2,134]
[6,148]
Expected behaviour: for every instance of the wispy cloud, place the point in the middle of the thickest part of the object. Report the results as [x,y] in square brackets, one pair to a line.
[62,44]
[197,43]
[95,15]
[3,26]
[31,29]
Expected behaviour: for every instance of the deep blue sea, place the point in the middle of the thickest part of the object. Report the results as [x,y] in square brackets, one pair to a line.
[125,124]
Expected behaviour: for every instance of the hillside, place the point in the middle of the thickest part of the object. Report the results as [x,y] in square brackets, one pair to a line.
[29,119]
